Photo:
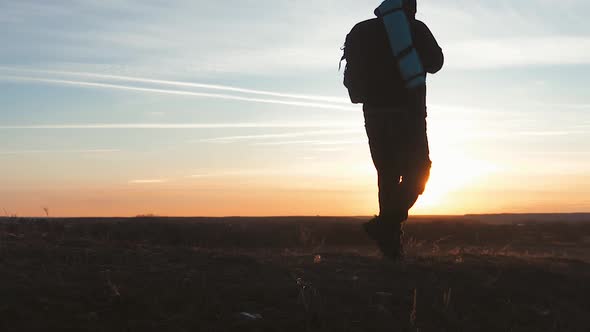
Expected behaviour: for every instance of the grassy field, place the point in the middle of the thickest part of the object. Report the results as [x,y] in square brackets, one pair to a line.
[290,274]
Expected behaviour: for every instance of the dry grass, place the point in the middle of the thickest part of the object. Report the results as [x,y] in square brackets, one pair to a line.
[151,274]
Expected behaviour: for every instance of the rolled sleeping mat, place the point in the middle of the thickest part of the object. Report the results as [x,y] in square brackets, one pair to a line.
[398,31]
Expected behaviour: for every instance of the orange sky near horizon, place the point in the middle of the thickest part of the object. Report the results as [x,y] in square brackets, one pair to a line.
[303,197]
[122,108]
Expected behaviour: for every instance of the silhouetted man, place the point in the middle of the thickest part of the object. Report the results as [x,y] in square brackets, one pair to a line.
[388,77]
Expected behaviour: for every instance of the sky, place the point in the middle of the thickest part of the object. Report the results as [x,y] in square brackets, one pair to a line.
[236,107]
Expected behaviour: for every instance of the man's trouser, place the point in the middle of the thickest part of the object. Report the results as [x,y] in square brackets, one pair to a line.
[399,148]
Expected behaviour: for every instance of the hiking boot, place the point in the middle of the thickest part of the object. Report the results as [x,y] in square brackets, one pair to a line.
[372,228]
[387,234]
[390,243]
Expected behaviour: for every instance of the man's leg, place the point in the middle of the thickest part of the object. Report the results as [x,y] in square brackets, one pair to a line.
[417,171]
[413,185]
[387,228]
[389,185]
[385,131]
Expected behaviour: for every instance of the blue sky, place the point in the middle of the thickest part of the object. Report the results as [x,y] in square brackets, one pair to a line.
[190,107]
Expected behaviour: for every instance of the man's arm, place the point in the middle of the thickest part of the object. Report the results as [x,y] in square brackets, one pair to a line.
[430,53]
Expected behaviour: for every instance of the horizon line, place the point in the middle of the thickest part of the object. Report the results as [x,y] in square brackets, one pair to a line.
[156,216]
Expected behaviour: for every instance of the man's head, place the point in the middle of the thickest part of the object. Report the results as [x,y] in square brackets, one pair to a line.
[410,6]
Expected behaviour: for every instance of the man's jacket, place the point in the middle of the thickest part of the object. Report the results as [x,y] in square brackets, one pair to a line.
[379,71]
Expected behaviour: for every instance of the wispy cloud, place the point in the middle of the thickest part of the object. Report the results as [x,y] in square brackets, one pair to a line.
[329,150]
[179,92]
[82,151]
[148,181]
[510,134]
[181,125]
[313,142]
[549,133]
[518,52]
[231,139]
[233,173]
[311,169]
[573,106]
[181,84]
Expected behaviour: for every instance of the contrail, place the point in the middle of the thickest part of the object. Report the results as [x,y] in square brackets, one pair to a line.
[182,84]
[570,105]
[177,126]
[227,139]
[547,133]
[58,151]
[148,181]
[310,143]
[177,92]
[229,173]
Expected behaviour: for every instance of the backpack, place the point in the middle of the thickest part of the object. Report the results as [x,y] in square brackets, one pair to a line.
[354,78]
[371,73]
[381,61]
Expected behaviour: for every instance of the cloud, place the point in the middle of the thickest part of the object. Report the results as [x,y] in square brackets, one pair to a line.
[230,139]
[82,151]
[572,106]
[311,105]
[237,173]
[518,52]
[481,34]
[180,125]
[312,142]
[318,169]
[179,37]
[550,133]
[148,181]
[276,38]
[182,84]
[329,150]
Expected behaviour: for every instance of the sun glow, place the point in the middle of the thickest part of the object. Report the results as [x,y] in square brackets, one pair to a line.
[448,175]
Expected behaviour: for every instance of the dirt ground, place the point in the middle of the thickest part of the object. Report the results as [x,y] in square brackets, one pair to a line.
[290,274]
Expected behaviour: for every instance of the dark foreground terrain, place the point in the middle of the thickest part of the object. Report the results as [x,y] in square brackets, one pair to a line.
[290,274]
